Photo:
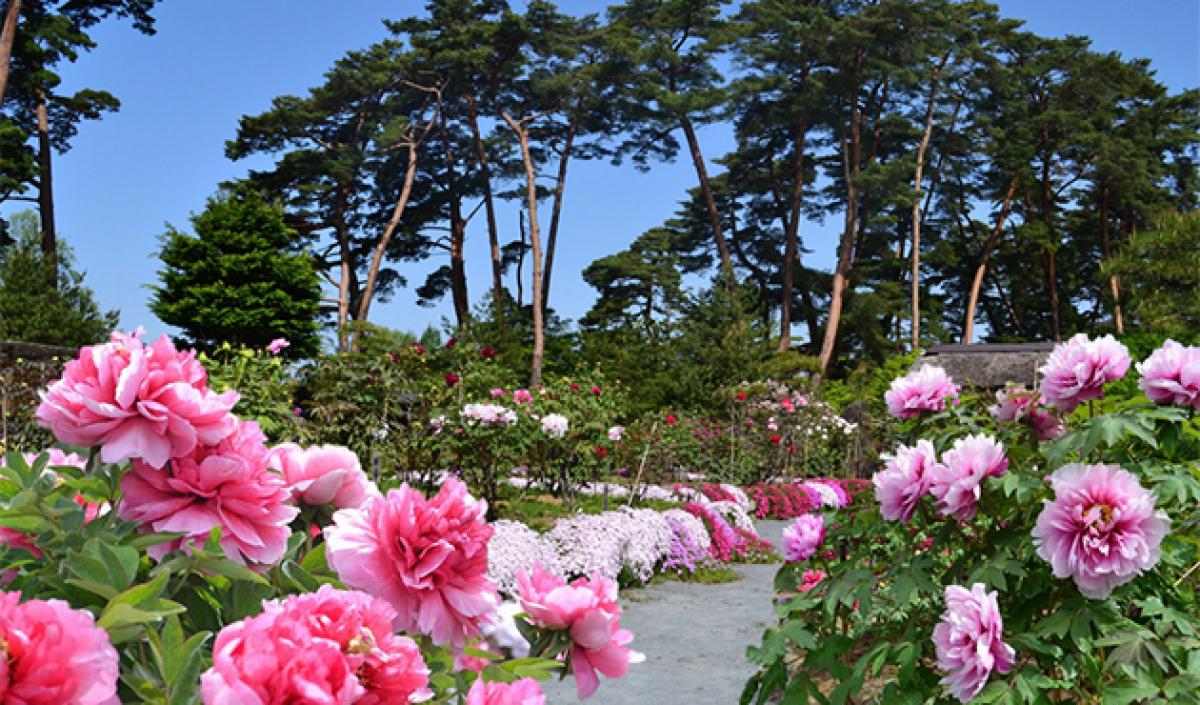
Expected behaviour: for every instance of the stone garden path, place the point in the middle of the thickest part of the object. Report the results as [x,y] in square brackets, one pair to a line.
[694,637]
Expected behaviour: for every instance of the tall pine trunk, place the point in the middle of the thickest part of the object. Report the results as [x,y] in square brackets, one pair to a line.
[489,207]
[710,201]
[1114,285]
[345,268]
[556,211]
[458,236]
[539,339]
[7,36]
[930,109]
[46,186]
[791,246]
[984,260]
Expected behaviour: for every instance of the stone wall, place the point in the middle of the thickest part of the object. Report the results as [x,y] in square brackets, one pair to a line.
[989,365]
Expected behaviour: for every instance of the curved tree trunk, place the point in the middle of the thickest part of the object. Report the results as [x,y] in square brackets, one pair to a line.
[977,283]
[851,155]
[710,201]
[381,246]
[7,36]
[1114,285]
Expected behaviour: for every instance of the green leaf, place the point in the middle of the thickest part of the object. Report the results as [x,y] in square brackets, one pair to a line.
[1126,692]
[229,569]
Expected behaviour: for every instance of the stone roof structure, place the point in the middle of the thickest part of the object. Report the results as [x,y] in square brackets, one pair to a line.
[17,350]
[989,365]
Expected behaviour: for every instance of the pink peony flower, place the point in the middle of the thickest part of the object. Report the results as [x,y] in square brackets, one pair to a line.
[1171,375]
[615,433]
[227,485]
[277,345]
[1101,528]
[54,655]
[498,392]
[58,458]
[969,642]
[955,482]
[136,401]
[555,425]
[525,691]
[427,557]
[320,475]
[802,539]
[331,646]
[522,396]
[925,389]
[1019,405]
[905,480]
[588,610]
[811,579]
[1077,370]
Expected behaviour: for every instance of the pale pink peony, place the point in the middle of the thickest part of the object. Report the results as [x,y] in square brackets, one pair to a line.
[525,691]
[320,475]
[227,485]
[588,610]
[969,641]
[331,647]
[956,481]
[136,401]
[905,480]
[1101,528]
[1078,369]
[1171,375]
[58,458]
[615,433]
[803,537]
[555,425]
[925,389]
[51,654]
[277,345]
[427,557]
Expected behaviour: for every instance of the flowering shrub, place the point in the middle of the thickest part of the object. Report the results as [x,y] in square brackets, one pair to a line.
[1079,553]
[780,500]
[513,548]
[177,524]
[690,542]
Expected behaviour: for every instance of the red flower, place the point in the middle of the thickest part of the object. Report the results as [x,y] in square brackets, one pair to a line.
[451,343]
[487,353]
[671,421]
[601,452]
[595,390]
[451,379]
[741,396]
[574,387]
[417,348]
[775,439]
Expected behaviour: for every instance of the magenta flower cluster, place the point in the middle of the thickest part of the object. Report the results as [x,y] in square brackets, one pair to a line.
[955,482]
[926,389]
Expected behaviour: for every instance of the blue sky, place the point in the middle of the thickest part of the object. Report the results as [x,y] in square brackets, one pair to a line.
[183,90]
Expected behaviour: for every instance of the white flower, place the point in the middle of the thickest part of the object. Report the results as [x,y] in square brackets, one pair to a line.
[555,425]
[615,433]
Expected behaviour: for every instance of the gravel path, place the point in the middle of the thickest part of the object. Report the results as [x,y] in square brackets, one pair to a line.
[694,637]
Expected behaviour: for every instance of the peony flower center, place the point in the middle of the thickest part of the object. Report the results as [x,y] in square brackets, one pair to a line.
[1098,518]
[364,643]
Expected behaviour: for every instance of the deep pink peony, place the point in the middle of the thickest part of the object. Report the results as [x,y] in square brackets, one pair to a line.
[811,579]
[1171,375]
[330,647]
[320,475]
[588,610]
[1019,405]
[277,345]
[1078,369]
[51,654]
[969,641]
[802,539]
[1101,528]
[427,557]
[522,396]
[227,485]
[956,481]
[925,389]
[905,480]
[525,691]
[136,401]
